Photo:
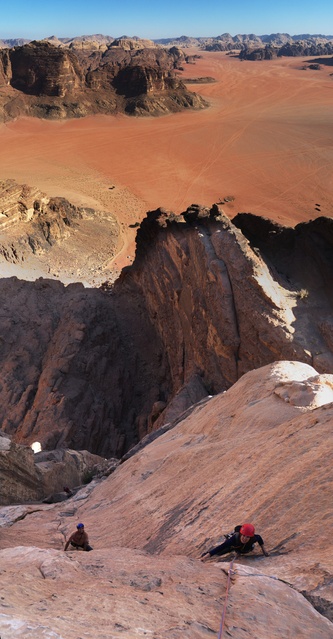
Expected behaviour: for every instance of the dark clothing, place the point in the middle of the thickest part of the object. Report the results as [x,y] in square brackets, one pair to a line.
[87,547]
[234,543]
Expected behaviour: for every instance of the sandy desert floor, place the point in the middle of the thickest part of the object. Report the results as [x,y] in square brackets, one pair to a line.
[266,140]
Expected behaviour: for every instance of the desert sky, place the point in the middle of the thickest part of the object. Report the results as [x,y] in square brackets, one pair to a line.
[266,140]
[150,19]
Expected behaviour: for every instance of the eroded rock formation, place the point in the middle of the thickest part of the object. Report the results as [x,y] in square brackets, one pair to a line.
[42,80]
[205,301]
[26,476]
[42,235]
[290,49]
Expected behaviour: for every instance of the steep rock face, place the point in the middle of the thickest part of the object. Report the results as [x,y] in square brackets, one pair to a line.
[19,478]
[143,79]
[5,68]
[260,452]
[75,373]
[202,304]
[136,80]
[41,69]
[228,305]
[128,593]
[49,81]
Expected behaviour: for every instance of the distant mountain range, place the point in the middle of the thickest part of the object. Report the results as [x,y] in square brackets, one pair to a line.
[239,40]
[221,42]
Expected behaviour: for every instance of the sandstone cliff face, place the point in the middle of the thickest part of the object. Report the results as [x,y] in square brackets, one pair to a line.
[19,478]
[49,81]
[5,68]
[235,304]
[202,304]
[70,365]
[41,69]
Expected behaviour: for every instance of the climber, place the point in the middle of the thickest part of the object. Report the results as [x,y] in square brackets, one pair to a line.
[79,539]
[242,541]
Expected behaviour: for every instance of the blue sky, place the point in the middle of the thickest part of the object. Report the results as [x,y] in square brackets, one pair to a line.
[37,19]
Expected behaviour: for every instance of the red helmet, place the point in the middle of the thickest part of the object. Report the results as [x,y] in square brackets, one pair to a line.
[247,530]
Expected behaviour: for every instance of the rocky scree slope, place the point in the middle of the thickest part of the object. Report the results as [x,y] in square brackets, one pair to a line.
[205,301]
[40,235]
[42,80]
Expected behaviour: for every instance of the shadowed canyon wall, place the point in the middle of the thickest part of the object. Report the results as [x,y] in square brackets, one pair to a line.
[202,304]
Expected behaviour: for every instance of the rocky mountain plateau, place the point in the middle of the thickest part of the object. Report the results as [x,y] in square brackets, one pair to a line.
[41,79]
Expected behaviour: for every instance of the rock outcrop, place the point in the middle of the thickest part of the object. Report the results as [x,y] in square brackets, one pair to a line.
[43,69]
[228,292]
[43,80]
[206,301]
[291,49]
[19,479]
[44,235]
[26,476]
[263,53]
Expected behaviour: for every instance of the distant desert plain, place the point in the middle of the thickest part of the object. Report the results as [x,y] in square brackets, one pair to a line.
[265,142]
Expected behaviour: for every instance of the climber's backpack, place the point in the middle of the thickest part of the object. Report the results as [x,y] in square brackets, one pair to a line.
[236,529]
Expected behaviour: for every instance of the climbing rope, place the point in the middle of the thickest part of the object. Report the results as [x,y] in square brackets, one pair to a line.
[230,572]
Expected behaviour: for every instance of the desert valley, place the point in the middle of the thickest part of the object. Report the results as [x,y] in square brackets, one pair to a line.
[166,337]
[267,121]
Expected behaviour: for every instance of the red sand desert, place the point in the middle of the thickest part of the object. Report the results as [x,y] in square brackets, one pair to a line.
[266,140]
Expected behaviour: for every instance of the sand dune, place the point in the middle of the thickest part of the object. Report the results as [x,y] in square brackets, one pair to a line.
[266,140]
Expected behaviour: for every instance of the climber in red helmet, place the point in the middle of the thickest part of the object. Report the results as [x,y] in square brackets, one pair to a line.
[242,541]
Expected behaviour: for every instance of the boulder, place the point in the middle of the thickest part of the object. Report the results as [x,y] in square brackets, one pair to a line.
[26,476]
